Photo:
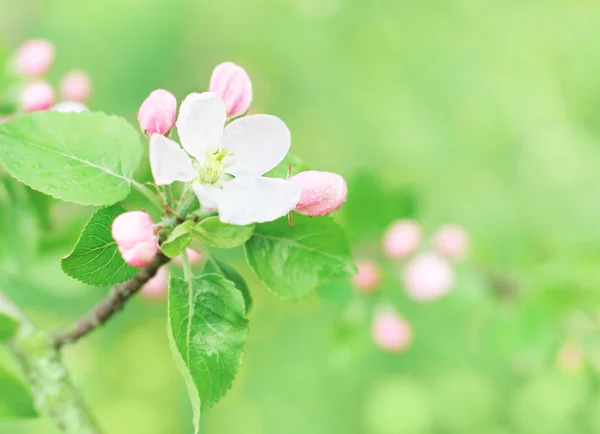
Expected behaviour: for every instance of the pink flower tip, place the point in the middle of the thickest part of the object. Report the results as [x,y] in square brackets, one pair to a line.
[322,192]
[391,332]
[402,238]
[427,277]
[157,112]
[194,257]
[451,241]
[158,286]
[37,96]
[34,57]
[232,84]
[76,86]
[368,275]
[134,234]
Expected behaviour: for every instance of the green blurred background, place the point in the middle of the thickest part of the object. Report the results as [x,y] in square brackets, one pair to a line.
[487,113]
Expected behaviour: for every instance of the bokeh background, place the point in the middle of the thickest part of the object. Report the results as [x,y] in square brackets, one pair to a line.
[481,113]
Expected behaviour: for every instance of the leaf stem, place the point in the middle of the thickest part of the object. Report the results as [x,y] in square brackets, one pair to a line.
[148,194]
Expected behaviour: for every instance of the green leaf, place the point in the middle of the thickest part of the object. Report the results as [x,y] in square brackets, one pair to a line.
[8,326]
[180,238]
[218,267]
[86,158]
[218,234]
[282,169]
[293,261]
[95,259]
[208,328]
[15,399]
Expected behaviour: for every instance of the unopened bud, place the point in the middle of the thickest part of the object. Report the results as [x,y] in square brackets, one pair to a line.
[368,275]
[391,332]
[37,96]
[134,233]
[76,86]
[34,57]
[322,192]
[427,277]
[402,238]
[157,112]
[451,241]
[158,286]
[70,107]
[194,257]
[233,85]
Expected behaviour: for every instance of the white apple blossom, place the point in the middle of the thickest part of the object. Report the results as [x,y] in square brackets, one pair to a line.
[226,164]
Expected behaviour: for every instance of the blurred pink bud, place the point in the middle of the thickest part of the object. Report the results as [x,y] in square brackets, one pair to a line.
[451,241]
[70,107]
[134,233]
[322,192]
[402,238]
[368,276]
[194,257]
[391,332]
[76,86]
[570,357]
[37,96]
[157,112]
[233,85]
[427,277]
[34,57]
[158,286]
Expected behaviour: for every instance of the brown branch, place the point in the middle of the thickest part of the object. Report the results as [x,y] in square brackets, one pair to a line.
[112,304]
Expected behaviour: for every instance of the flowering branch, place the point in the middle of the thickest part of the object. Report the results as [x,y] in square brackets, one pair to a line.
[112,304]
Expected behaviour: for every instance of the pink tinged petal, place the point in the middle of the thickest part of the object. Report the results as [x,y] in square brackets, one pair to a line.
[233,85]
[322,192]
[70,107]
[368,276]
[194,257]
[35,57]
[246,201]
[391,332]
[200,123]
[141,254]
[169,163]
[451,241]
[134,234]
[157,112]
[402,238]
[76,86]
[37,96]
[258,143]
[158,286]
[427,277]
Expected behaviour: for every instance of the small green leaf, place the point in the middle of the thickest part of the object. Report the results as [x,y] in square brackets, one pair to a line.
[282,169]
[86,158]
[8,326]
[218,267]
[293,261]
[208,328]
[15,399]
[180,238]
[95,259]
[218,234]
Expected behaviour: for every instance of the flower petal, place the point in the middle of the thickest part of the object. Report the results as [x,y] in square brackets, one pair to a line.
[169,163]
[258,143]
[200,123]
[245,201]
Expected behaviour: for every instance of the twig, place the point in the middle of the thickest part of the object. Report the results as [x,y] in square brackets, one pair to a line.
[112,304]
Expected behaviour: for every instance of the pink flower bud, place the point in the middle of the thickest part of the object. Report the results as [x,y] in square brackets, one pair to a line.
[158,286]
[427,277]
[34,57]
[368,276]
[451,241]
[322,192]
[76,86]
[37,96]
[402,238]
[70,107]
[157,112]
[194,257]
[134,233]
[233,85]
[391,332]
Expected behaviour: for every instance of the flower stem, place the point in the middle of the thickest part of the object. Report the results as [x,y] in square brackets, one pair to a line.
[148,194]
